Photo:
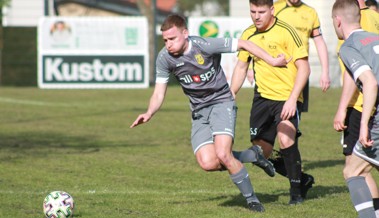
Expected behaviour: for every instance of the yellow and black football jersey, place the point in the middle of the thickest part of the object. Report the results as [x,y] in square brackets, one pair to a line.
[303,18]
[275,83]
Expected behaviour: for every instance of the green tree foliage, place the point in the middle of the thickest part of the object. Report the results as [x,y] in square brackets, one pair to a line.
[3,3]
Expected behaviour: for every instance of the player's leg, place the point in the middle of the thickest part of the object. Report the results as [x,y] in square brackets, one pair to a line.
[355,173]
[258,119]
[222,120]
[362,160]
[202,141]
[237,171]
[276,158]
[292,159]
[207,159]
[256,156]
[373,187]
[349,138]
[371,183]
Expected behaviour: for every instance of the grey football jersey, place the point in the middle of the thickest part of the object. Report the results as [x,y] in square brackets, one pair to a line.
[198,70]
[360,52]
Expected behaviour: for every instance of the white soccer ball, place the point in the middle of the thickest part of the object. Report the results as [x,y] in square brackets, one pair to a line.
[58,204]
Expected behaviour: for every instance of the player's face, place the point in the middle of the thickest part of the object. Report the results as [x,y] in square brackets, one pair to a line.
[337,26]
[294,2]
[175,40]
[262,16]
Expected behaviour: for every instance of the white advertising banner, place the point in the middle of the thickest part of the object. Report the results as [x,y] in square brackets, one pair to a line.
[93,52]
[221,27]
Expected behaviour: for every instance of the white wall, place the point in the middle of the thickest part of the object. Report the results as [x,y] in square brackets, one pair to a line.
[324,10]
[23,13]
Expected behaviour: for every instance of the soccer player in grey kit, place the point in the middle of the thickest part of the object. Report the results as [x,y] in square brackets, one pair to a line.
[360,55]
[195,63]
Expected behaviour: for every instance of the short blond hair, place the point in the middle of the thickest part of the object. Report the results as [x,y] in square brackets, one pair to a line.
[348,9]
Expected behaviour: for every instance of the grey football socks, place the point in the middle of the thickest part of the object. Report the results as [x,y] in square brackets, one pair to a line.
[246,156]
[242,181]
[361,196]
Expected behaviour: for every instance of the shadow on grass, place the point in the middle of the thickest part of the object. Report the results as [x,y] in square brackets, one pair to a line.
[309,165]
[30,140]
[316,192]
[37,143]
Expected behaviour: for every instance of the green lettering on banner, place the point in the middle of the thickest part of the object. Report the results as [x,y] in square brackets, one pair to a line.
[131,36]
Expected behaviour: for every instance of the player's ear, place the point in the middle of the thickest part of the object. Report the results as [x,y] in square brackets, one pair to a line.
[185,33]
[338,20]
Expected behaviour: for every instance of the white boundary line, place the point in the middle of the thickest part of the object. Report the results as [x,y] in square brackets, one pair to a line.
[138,192]
[29,102]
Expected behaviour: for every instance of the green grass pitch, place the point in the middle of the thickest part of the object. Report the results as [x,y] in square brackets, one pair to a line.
[79,141]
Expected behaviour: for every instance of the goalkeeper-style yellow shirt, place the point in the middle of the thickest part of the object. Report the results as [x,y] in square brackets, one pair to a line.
[275,83]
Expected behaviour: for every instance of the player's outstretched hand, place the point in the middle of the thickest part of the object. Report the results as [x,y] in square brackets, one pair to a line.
[339,121]
[324,82]
[364,137]
[281,61]
[288,110]
[142,118]
[234,94]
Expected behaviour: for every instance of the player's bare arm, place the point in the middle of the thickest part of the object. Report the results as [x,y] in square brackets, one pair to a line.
[239,75]
[257,51]
[156,102]
[370,93]
[322,52]
[303,71]
[348,90]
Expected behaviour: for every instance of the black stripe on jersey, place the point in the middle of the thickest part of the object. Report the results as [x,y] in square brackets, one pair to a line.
[248,29]
[292,31]
[277,13]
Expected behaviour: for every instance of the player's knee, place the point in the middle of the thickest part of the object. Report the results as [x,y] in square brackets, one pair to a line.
[224,157]
[348,172]
[265,146]
[285,141]
[209,165]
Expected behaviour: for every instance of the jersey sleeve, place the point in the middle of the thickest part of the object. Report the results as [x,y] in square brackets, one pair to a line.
[244,55]
[162,68]
[354,62]
[295,45]
[216,45]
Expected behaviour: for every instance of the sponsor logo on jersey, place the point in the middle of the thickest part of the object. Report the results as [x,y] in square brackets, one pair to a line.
[199,59]
[355,62]
[272,47]
[369,40]
[179,64]
[198,78]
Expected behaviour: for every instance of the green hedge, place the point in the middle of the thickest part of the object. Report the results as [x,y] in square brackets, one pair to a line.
[19,57]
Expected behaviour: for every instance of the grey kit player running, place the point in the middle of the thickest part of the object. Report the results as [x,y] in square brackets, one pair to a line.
[360,55]
[195,63]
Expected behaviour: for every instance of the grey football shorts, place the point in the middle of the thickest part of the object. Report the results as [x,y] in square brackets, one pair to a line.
[216,119]
[370,154]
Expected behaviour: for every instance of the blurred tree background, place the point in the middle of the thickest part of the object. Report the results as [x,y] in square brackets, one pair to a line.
[3,3]
[184,7]
[18,44]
